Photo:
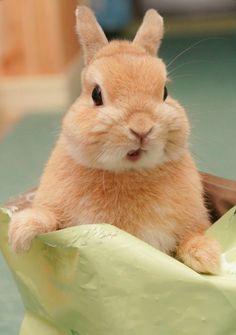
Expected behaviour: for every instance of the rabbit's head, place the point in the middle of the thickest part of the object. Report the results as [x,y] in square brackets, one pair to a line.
[123,119]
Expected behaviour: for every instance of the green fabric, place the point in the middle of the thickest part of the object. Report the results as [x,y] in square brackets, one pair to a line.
[24,151]
[99,280]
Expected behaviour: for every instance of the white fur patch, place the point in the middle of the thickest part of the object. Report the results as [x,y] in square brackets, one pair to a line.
[158,238]
[94,76]
[114,159]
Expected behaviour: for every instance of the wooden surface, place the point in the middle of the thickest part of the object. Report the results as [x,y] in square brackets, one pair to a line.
[37,37]
[220,194]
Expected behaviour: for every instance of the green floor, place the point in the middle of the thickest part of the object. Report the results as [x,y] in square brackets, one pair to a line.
[204,80]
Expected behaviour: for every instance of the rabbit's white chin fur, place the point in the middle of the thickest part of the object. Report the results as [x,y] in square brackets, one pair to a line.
[118,161]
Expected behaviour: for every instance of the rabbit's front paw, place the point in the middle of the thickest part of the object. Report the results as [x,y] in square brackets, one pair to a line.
[202,254]
[25,225]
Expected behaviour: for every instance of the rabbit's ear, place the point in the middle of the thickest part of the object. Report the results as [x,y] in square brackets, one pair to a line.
[91,35]
[150,32]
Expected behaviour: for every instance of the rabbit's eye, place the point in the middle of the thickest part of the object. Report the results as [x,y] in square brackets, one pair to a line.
[97,96]
[165,95]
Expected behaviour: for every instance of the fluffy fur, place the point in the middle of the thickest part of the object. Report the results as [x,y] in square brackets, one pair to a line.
[89,177]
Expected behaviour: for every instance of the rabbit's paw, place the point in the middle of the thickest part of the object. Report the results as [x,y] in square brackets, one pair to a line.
[202,254]
[26,224]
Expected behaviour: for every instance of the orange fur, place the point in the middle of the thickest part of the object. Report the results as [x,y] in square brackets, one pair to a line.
[89,179]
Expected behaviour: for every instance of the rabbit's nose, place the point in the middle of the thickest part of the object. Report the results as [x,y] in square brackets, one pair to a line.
[141,134]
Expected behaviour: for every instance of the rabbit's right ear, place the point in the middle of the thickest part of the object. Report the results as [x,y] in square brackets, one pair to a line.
[150,32]
[91,35]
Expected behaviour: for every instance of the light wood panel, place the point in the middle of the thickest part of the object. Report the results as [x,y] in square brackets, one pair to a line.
[36,37]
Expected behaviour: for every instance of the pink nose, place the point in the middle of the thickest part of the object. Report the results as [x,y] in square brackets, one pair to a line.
[141,134]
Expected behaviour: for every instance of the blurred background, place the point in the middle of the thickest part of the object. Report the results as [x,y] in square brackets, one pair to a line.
[40,64]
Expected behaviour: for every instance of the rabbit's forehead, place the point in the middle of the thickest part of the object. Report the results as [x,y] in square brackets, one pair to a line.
[127,72]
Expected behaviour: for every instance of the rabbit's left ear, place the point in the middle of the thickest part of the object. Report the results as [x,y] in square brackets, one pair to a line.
[150,32]
[91,35]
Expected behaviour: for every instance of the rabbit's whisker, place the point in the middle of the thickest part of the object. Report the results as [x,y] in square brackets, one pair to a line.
[186,50]
[187,63]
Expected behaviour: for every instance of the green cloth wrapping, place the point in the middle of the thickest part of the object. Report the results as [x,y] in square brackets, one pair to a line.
[99,280]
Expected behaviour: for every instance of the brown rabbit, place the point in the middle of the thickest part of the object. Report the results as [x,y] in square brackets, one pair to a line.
[122,155]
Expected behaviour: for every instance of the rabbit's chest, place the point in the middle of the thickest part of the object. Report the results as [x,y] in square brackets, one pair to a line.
[147,219]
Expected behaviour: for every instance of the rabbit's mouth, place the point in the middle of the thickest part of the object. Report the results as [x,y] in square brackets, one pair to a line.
[134,155]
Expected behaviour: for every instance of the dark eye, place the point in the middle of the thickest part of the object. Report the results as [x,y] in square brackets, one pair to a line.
[97,96]
[165,95]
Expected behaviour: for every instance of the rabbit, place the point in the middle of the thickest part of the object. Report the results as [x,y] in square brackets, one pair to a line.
[122,155]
